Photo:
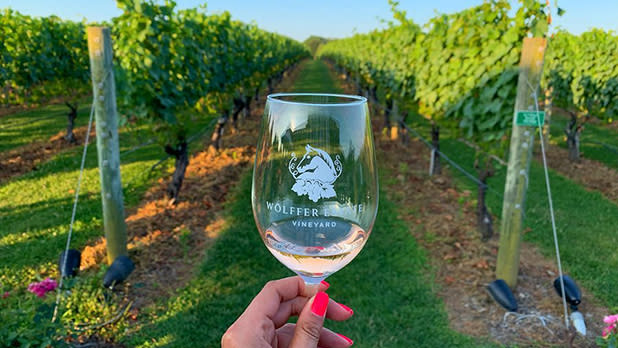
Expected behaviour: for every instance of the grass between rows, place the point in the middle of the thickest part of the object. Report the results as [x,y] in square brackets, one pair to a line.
[35,208]
[38,125]
[315,78]
[388,285]
[586,221]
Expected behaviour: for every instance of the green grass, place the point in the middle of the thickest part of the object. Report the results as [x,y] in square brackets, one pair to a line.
[586,221]
[389,291]
[38,125]
[387,285]
[591,137]
[35,208]
[315,78]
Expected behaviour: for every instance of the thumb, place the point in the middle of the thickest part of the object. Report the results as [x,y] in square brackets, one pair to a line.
[310,322]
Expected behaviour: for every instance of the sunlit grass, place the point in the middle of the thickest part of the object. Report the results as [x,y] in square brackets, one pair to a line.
[38,124]
[35,208]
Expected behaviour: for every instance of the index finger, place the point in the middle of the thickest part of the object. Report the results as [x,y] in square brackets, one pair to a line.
[277,291]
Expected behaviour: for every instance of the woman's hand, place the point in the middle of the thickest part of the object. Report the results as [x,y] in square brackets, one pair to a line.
[264,322]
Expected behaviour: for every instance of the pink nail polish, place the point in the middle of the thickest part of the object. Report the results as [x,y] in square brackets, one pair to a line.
[347,339]
[346,308]
[320,302]
[325,283]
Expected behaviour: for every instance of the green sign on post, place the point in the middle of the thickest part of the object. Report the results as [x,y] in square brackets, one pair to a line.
[529,118]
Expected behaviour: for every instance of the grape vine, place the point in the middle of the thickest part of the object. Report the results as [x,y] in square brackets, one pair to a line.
[170,61]
[460,71]
[41,58]
[167,63]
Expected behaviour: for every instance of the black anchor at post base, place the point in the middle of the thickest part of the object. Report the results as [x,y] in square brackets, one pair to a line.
[73,261]
[500,291]
[572,293]
[118,271]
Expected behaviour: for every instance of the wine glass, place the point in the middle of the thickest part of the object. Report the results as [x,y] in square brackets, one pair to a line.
[315,182]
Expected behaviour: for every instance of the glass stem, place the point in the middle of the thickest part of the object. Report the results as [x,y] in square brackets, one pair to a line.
[312,281]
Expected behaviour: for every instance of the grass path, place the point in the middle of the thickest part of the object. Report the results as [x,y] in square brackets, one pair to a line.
[315,78]
[387,285]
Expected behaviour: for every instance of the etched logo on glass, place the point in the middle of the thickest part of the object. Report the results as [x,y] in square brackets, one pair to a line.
[315,173]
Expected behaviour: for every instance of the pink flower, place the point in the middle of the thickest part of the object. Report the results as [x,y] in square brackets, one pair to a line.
[608,330]
[610,319]
[612,322]
[5,295]
[43,287]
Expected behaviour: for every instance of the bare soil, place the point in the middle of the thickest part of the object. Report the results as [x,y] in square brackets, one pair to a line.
[27,158]
[167,241]
[593,175]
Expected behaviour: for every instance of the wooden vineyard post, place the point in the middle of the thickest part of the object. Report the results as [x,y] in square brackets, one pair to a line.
[522,140]
[104,99]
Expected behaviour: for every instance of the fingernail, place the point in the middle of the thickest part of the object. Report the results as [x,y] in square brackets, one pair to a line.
[347,339]
[346,308]
[320,302]
[325,283]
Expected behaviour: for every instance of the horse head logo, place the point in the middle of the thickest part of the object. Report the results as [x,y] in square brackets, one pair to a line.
[315,173]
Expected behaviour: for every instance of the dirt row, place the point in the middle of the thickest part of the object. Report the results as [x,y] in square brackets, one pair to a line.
[27,158]
[167,241]
[443,220]
[590,174]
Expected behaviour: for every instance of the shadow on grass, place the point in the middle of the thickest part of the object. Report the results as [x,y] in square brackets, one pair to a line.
[36,233]
[386,285]
[19,217]
[37,125]
[35,209]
